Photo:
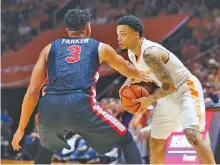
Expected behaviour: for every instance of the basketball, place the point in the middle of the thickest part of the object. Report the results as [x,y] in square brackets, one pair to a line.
[132,92]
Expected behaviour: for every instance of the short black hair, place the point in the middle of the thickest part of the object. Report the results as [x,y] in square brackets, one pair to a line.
[77,19]
[133,22]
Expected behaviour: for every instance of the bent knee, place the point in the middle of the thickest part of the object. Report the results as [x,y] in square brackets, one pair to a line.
[193,136]
[45,144]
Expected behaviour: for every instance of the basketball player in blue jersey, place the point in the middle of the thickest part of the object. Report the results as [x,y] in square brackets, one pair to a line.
[71,65]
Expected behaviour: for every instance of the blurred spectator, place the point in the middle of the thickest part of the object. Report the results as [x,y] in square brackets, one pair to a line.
[211,93]
[6,122]
[6,133]
[208,102]
[139,122]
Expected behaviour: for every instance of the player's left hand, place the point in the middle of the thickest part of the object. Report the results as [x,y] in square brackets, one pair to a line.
[16,139]
[145,102]
[144,77]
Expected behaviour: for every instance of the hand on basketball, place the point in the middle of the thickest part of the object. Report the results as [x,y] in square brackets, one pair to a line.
[126,84]
[16,139]
[144,101]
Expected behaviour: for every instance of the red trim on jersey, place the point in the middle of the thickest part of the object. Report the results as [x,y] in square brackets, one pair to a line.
[104,115]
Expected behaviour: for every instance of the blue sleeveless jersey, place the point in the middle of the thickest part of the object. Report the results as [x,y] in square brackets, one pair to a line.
[73,65]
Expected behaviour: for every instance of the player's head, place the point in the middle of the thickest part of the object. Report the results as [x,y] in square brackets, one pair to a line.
[129,30]
[77,21]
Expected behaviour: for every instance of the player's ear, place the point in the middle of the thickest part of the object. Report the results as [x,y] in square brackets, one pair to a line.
[67,31]
[136,34]
[88,30]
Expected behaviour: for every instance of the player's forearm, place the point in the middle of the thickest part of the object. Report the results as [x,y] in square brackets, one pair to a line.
[167,86]
[133,81]
[161,92]
[28,105]
[130,71]
[153,58]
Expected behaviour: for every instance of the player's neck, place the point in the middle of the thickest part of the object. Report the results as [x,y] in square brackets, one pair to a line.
[137,48]
[78,34]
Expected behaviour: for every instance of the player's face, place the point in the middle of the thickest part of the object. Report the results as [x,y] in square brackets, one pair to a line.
[126,36]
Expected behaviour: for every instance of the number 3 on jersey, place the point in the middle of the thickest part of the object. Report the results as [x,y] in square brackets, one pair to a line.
[75,51]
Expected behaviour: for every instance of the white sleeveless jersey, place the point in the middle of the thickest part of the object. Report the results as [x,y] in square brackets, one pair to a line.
[178,72]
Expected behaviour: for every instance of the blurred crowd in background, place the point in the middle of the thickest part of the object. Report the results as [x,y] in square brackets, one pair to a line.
[22,20]
[197,47]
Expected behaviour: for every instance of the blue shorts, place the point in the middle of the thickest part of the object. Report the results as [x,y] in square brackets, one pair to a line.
[78,112]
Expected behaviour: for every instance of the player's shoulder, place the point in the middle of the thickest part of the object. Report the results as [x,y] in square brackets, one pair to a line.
[59,39]
[154,47]
[151,44]
[92,39]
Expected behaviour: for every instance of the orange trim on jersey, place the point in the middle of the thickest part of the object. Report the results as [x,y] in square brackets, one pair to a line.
[195,95]
[138,59]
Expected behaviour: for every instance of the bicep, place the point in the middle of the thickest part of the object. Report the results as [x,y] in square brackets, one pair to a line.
[39,72]
[154,58]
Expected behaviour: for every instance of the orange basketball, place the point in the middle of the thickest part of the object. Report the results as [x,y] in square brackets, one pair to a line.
[132,92]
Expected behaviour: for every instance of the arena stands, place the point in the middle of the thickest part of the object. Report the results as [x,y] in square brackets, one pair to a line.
[24,19]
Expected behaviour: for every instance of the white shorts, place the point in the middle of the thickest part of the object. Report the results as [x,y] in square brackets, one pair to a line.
[184,108]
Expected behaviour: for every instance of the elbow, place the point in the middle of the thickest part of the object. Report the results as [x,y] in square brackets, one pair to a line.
[171,90]
[33,91]
[169,87]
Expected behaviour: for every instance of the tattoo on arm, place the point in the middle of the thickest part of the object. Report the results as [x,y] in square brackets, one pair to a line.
[156,64]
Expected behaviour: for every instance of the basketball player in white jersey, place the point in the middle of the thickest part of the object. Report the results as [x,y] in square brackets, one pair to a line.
[180,97]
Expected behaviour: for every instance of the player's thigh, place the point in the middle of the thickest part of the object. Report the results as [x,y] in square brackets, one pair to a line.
[52,122]
[165,120]
[51,110]
[192,106]
[162,127]
[52,139]
[157,145]
[100,129]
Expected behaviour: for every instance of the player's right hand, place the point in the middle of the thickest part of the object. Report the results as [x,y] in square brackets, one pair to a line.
[144,101]
[16,139]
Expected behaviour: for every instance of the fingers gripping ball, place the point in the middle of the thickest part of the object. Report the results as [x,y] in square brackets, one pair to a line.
[132,92]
